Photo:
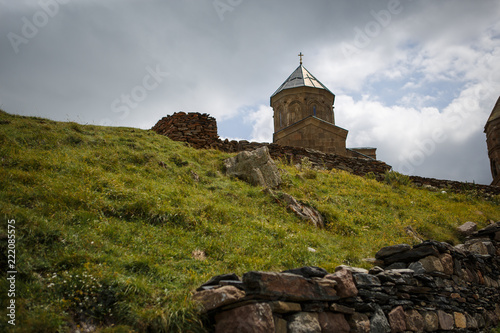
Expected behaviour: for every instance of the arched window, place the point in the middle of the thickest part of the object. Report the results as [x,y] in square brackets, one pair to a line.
[314,110]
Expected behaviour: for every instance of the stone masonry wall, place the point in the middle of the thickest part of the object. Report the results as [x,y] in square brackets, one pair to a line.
[200,131]
[431,287]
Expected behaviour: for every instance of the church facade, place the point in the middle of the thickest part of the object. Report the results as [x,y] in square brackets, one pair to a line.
[492,130]
[303,110]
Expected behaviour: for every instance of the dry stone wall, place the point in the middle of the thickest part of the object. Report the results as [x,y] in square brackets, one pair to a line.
[200,131]
[431,287]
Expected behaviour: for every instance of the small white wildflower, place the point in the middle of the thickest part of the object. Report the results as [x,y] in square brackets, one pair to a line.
[310,249]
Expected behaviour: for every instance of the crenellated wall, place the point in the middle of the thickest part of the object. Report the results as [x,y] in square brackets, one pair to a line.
[431,287]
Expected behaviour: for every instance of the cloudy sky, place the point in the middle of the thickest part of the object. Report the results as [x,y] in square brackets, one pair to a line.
[416,79]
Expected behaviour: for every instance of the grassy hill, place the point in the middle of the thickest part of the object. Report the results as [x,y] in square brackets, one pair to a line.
[116,226]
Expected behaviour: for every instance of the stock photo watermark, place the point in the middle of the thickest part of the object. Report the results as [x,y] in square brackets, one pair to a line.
[137,94]
[224,6]
[31,26]
[364,36]
[11,271]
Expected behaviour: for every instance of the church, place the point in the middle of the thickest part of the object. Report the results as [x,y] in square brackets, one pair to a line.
[304,117]
[492,130]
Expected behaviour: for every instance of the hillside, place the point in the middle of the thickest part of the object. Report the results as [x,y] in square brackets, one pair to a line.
[116,226]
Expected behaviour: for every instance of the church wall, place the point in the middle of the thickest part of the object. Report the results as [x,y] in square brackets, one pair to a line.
[314,134]
[492,130]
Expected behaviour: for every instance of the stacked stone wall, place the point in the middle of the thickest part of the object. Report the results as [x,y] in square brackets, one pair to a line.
[200,131]
[431,287]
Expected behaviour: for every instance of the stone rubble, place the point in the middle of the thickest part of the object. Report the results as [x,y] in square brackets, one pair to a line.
[438,287]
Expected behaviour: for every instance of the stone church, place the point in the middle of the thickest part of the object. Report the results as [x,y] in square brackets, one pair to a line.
[304,117]
[492,130]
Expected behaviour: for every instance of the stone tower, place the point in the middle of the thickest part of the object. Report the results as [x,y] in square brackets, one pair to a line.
[303,114]
[492,130]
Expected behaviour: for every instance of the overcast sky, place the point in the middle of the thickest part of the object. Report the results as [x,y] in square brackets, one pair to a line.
[416,79]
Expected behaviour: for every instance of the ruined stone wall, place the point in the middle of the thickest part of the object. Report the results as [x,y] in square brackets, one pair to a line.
[432,287]
[200,131]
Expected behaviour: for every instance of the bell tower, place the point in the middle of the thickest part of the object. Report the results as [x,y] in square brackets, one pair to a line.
[492,130]
[303,114]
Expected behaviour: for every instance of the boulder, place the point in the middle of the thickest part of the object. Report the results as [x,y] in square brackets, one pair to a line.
[467,228]
[215,298]
[414,321]
[255,318]
[431,321]
[460,320]
[392,250]
[256,167]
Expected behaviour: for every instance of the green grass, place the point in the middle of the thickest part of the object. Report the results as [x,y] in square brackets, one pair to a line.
[108,221]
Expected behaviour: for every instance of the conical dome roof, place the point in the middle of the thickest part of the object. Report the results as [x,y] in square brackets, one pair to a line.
[301,77]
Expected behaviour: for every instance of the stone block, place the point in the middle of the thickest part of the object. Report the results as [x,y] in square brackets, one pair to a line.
[414,321]
[345,283]
[304,322]
[446,321]
[280,325]
[460,320]
[447,263]
[432,264]
[288,287]
[379,323]
[392,250]
[359,323]
[284,307]
[341,309]
[431,321]
[333,322]
[214,298]
[255,318]
[366,280]
[397,319]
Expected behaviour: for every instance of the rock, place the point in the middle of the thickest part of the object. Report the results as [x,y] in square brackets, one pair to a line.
[412,255]
[304,212]
[471,322]
[460,320]
[447,263]
[280,325]
[397,319]
[289,287]
[446,321]
[417,267]
[284,307]
[431,264]
[341,309]
[308,272]
[414,321]
[378,323]
[351,269]
[366,280]
[467,228]
[392,250]
[304,322]
[216,279]
[431,321]
[359,323]
[214,298]
[477,248]
[333,322]
[345,283]
[255,167]
[255,318]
